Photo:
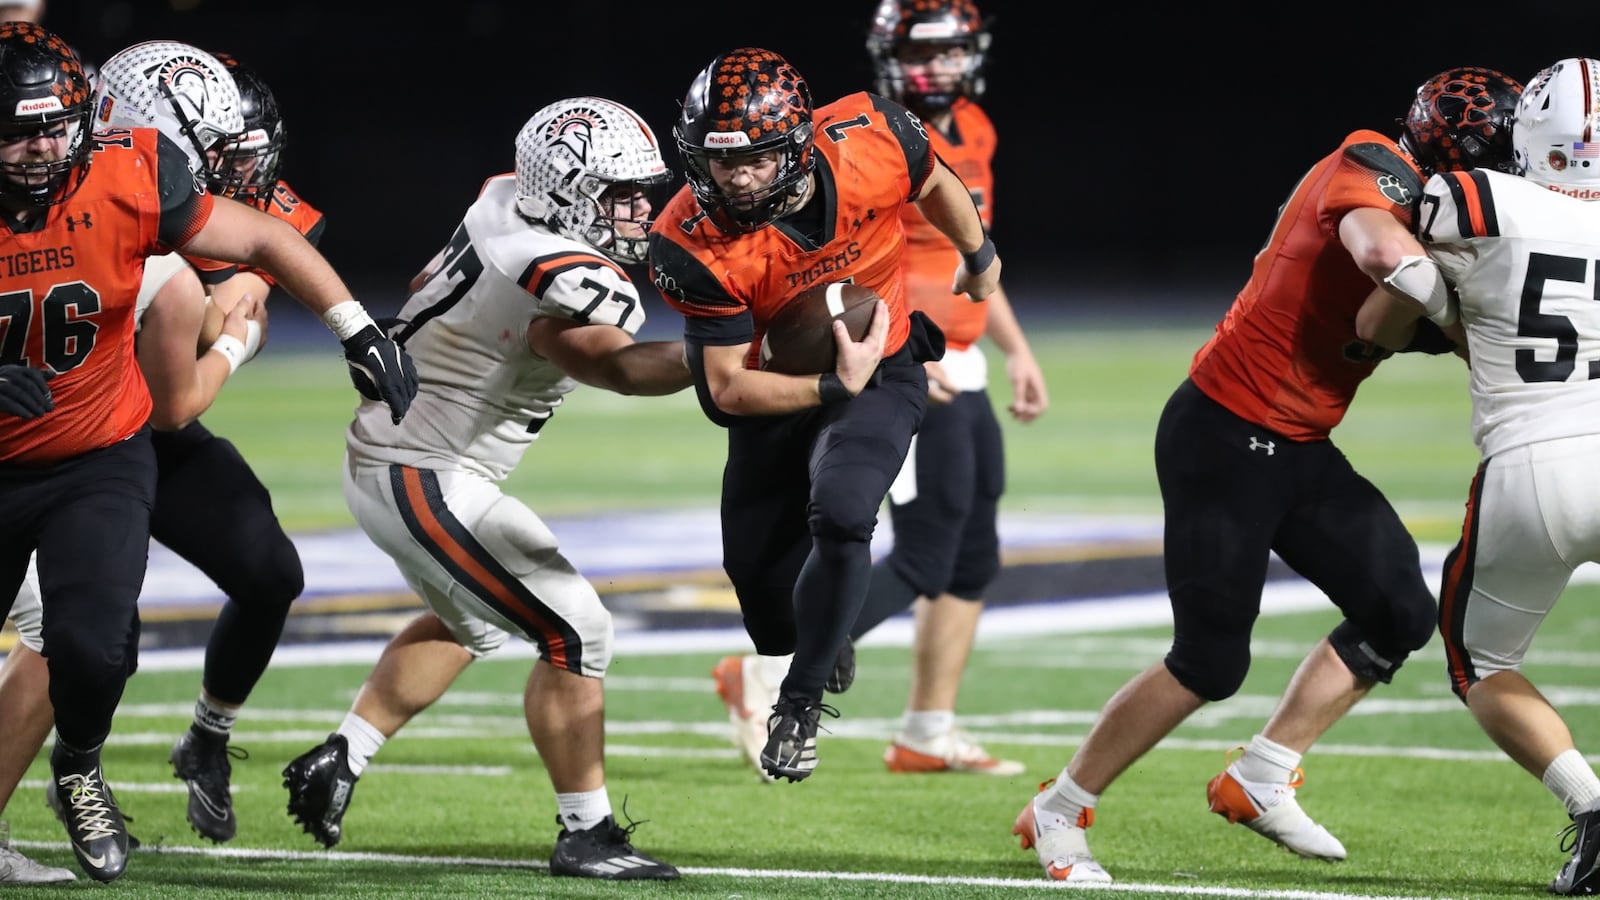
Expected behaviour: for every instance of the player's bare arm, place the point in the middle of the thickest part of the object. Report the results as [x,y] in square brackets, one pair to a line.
[607,357]
[242,234]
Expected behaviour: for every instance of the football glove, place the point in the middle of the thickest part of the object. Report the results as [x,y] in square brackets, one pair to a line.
[381,370]
[24,393]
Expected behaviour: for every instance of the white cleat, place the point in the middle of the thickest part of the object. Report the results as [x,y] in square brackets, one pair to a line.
[1063,846]
[1271,811]
[749,700]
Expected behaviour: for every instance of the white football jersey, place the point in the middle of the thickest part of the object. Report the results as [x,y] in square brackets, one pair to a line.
[1525,262]
[484,394]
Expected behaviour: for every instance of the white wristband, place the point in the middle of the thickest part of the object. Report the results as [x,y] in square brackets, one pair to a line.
[232,349]
[347,318]
[252,340]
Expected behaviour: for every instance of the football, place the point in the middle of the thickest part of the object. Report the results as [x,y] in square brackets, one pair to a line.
[799,339]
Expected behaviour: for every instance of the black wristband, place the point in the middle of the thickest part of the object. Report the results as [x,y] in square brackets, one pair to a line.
[832,390]
[979,259]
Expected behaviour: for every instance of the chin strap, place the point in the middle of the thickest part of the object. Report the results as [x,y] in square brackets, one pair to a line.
[1418,277]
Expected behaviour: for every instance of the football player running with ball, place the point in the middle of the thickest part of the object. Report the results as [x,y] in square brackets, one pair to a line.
[524,303]
[782,196]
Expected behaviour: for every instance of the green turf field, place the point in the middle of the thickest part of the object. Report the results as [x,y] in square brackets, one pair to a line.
[458,805]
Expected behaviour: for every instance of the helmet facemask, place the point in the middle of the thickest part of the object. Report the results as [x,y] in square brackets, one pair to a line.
[47,183]
[753,210]
[247,169]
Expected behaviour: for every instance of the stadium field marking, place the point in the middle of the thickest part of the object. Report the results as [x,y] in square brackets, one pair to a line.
[336,856]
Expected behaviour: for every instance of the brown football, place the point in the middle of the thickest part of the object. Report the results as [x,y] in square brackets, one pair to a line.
[799,339]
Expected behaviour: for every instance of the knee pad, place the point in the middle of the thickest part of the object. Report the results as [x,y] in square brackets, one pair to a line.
[1363,657]
[271,578]
[842,509]
[1213,667]
[972,577]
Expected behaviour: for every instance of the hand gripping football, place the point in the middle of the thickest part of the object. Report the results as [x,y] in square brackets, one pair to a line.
[799,339]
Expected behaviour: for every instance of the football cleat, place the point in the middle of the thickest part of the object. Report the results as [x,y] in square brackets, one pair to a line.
[791,749]
[1063,846]
[1271,811]
[1581,874]
[844,669]
[953,751]
[320,785]
[18,869]
[94,824]
[604,851]
[200,759]
[749,700]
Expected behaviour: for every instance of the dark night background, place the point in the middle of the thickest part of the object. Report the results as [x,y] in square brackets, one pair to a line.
[1143,152]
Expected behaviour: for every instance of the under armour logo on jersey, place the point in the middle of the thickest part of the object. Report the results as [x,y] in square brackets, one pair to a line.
[871,215]
[74,223]
[1268,446]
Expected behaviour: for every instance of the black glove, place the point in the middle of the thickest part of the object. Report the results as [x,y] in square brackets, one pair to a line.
[24,393]
[381,370]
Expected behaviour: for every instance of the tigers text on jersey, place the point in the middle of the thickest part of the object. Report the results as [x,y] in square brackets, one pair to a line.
[1286,355]
[873,156]
[931,259]
[72,287]
[1525,262]
[484,394]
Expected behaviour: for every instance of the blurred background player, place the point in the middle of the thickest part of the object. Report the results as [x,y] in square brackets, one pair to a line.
[810,457]
[944,505]
[1533,511]
[1247,468]
[210,508]
[536,256]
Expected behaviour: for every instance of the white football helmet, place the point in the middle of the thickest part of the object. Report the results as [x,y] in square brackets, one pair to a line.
[178,88]
[584,167]
[1556,134]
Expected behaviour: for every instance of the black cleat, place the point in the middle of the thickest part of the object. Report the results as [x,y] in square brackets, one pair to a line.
[200,759]
[1581,874]
[94,824]
[844,669]
[791,750]
[604,852]
[320,784]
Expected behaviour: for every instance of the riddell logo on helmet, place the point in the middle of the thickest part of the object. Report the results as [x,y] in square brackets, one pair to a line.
[1577,193]
[38,105]
[727,139]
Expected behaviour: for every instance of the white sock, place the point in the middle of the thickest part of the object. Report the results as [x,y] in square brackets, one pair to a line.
[364,741]
[214,716]
[1066,799]
[1572,780]
[1268,761]
[584,810]
[774,669]
[927,724]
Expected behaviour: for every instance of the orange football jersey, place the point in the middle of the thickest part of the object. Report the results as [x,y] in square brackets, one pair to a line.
[1286,355]
[285,204]
[867,169]
[931,259]
[69,289]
